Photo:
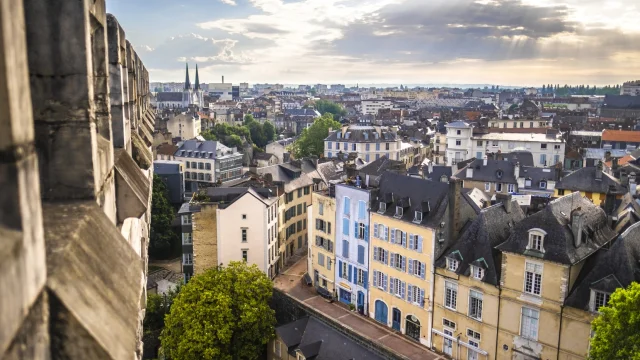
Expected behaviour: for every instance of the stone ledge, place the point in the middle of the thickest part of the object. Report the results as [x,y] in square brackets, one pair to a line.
[132,187]
[141,153]
[94,282]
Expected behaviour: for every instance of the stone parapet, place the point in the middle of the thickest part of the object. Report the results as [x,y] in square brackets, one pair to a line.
[75,205]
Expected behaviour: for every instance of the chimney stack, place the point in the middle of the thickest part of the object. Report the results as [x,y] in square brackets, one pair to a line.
[577,224]
[632,184]
[455,186]
[599,171]
[484,160]
[223,79]
[624,179]
[430,167]
[516,170]
[469,171]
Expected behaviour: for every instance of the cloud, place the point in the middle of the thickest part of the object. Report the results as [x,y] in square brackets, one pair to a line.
[229,2]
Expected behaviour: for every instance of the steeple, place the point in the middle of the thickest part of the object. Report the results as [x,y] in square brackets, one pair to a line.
[187,83]
[197,79]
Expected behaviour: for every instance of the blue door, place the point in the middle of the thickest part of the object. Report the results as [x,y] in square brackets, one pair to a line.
[360,302]
[381,312]
[397,316]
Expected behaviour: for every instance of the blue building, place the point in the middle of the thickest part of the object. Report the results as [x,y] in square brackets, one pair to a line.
[172,175]
[352,245]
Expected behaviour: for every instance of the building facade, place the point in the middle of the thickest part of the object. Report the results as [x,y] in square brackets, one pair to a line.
[292,226]
[209,161]
[322,232]
[370,142]
[458,147]
[352,245]
[185,126]
[371,106]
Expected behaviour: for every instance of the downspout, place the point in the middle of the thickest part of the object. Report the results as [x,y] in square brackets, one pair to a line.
[495,355]
[458,347]
[432,290]
[561,312]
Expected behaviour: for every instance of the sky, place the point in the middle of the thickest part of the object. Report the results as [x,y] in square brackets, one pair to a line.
[504,42]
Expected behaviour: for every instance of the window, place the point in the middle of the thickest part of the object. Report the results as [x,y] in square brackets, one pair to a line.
[527,183]
[397,287]
[556,159]
[207,166]
[399,210]
[448,323]
[377,147]
[529,323]
[361,277]
[307,190]
[458,132]
[479,143]
[378,279]
[380,255]
[556,147]
[366,146]
[477,272]
[543,146]
[345,227]
[361,232]
[479,154]
[511,188]
[417,268]
[277,348]
[187,175]
[328,268]
[418,217]
[360,254]
[458,142]
[320,259]
[386,146]
[321,208]
[244,216]
[450,295]
[186,238]
[345,248]
[487,187]
[347,205]
[187,259]
[188,165]
[397,261]
[536,240]
[475,304]
[245,255]
[362,209]
[473,334]
[382,207]
[299,209]
[452,264]
[345,271]
[543,184]
[299,193]
[543,159]
[244,235]
[533,278]
[329,145]
[598,300]
[414,295]
[186,219]
[498,187]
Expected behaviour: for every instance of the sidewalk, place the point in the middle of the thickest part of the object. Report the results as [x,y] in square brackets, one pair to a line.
[291,282]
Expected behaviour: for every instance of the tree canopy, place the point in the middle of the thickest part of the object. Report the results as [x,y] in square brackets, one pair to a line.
[326,106]
[162,238]
[617,329]
[311,141]
[221,314]
[256,133]
[158,306]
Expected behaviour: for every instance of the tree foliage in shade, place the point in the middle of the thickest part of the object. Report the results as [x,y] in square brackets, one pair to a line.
[158,305]
[617,329]
[162,236]
[326,106]
[269,131]
[222,314]
[311,141]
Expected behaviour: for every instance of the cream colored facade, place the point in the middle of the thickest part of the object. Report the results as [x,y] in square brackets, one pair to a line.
[518,123]
[185,126]
[321,255]
[439,154]
[292,210]
[455,332]
[406,311]
[530,323]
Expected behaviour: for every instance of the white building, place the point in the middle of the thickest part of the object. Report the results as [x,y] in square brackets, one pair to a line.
[209,161]
[462,144]
[631,88]
[185,126]
[223,90]
[370,142]
[371,106]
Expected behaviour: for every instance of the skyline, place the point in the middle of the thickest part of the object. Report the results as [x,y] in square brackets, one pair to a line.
[508,43]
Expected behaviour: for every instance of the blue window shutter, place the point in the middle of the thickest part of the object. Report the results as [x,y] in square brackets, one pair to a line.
[393,236]
[411,244]
[340,269]
[386,257]
[375,230]
[392,261]
[422,265]
[386,233]
[410,267]
[366,233]
[391,285]
[355,231]
[361,254]
[345,226]
[422,297]
[404,263]
[362,209]
[345,249]
[366,276]
[420,244]
[350,270]
[384,282]
[402,288]
[355,275]
[375,278]
[375,253]
[409,288]
[404,239]
[347,205]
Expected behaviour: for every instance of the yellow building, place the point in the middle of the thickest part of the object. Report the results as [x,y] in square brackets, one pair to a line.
[467,276]
[400,263]
[541,261]
[292,224]
[592,183]
[322,259]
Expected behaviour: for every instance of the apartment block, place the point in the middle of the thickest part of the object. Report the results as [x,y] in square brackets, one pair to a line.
[322,232]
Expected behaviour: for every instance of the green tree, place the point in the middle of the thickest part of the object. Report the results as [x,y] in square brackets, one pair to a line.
[269,131]
[311,141]
[257,134]
[326,106]
[221,314]
[233,140]
[158,305]
[617,329]
[249,119]
[162,237]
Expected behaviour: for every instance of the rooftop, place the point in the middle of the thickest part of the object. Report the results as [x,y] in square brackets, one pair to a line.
[621,135]
[528,137]
[584,179]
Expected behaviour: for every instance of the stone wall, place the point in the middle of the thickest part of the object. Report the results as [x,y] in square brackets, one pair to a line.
[75,156]
[205,238]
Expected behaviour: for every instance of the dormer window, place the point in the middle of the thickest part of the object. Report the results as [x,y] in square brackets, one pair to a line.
[452,264]
[399,212]
[418,217]
[477,272]
[382,208]
[527,183]
[536,240]
[543,184]
[598,300]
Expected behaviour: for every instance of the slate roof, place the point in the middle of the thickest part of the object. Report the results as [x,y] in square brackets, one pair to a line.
[437,172]
[166,167]
[621,102]
[494,171]
[262,156]
[201,149]
[380,165]
[538,174]
[169,96]
[525,158]
[458,124]
[554,219]
[476,245]
[318,341]
[609,269]
[302,112]
[166,149]
[292,177]
[362,134]
[412,194]
[584,179]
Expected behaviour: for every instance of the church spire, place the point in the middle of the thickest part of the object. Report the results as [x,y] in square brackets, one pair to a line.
[187,83]
[197,79]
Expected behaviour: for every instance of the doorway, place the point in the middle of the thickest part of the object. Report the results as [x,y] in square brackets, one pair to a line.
[381,312]
[412,327]
[396,318]
[447,345]
[361,302]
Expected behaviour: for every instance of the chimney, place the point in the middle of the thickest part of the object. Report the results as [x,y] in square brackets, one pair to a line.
[484,160]
[577,224]
[430,168]
[624,179]
[505,199]
[599,171]
[516,170]
[455,186]
[632,184]
[469,171]
[223,79]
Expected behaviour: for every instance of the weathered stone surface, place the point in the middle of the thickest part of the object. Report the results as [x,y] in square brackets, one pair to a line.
[141,153]
[32,340]
[132,187]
